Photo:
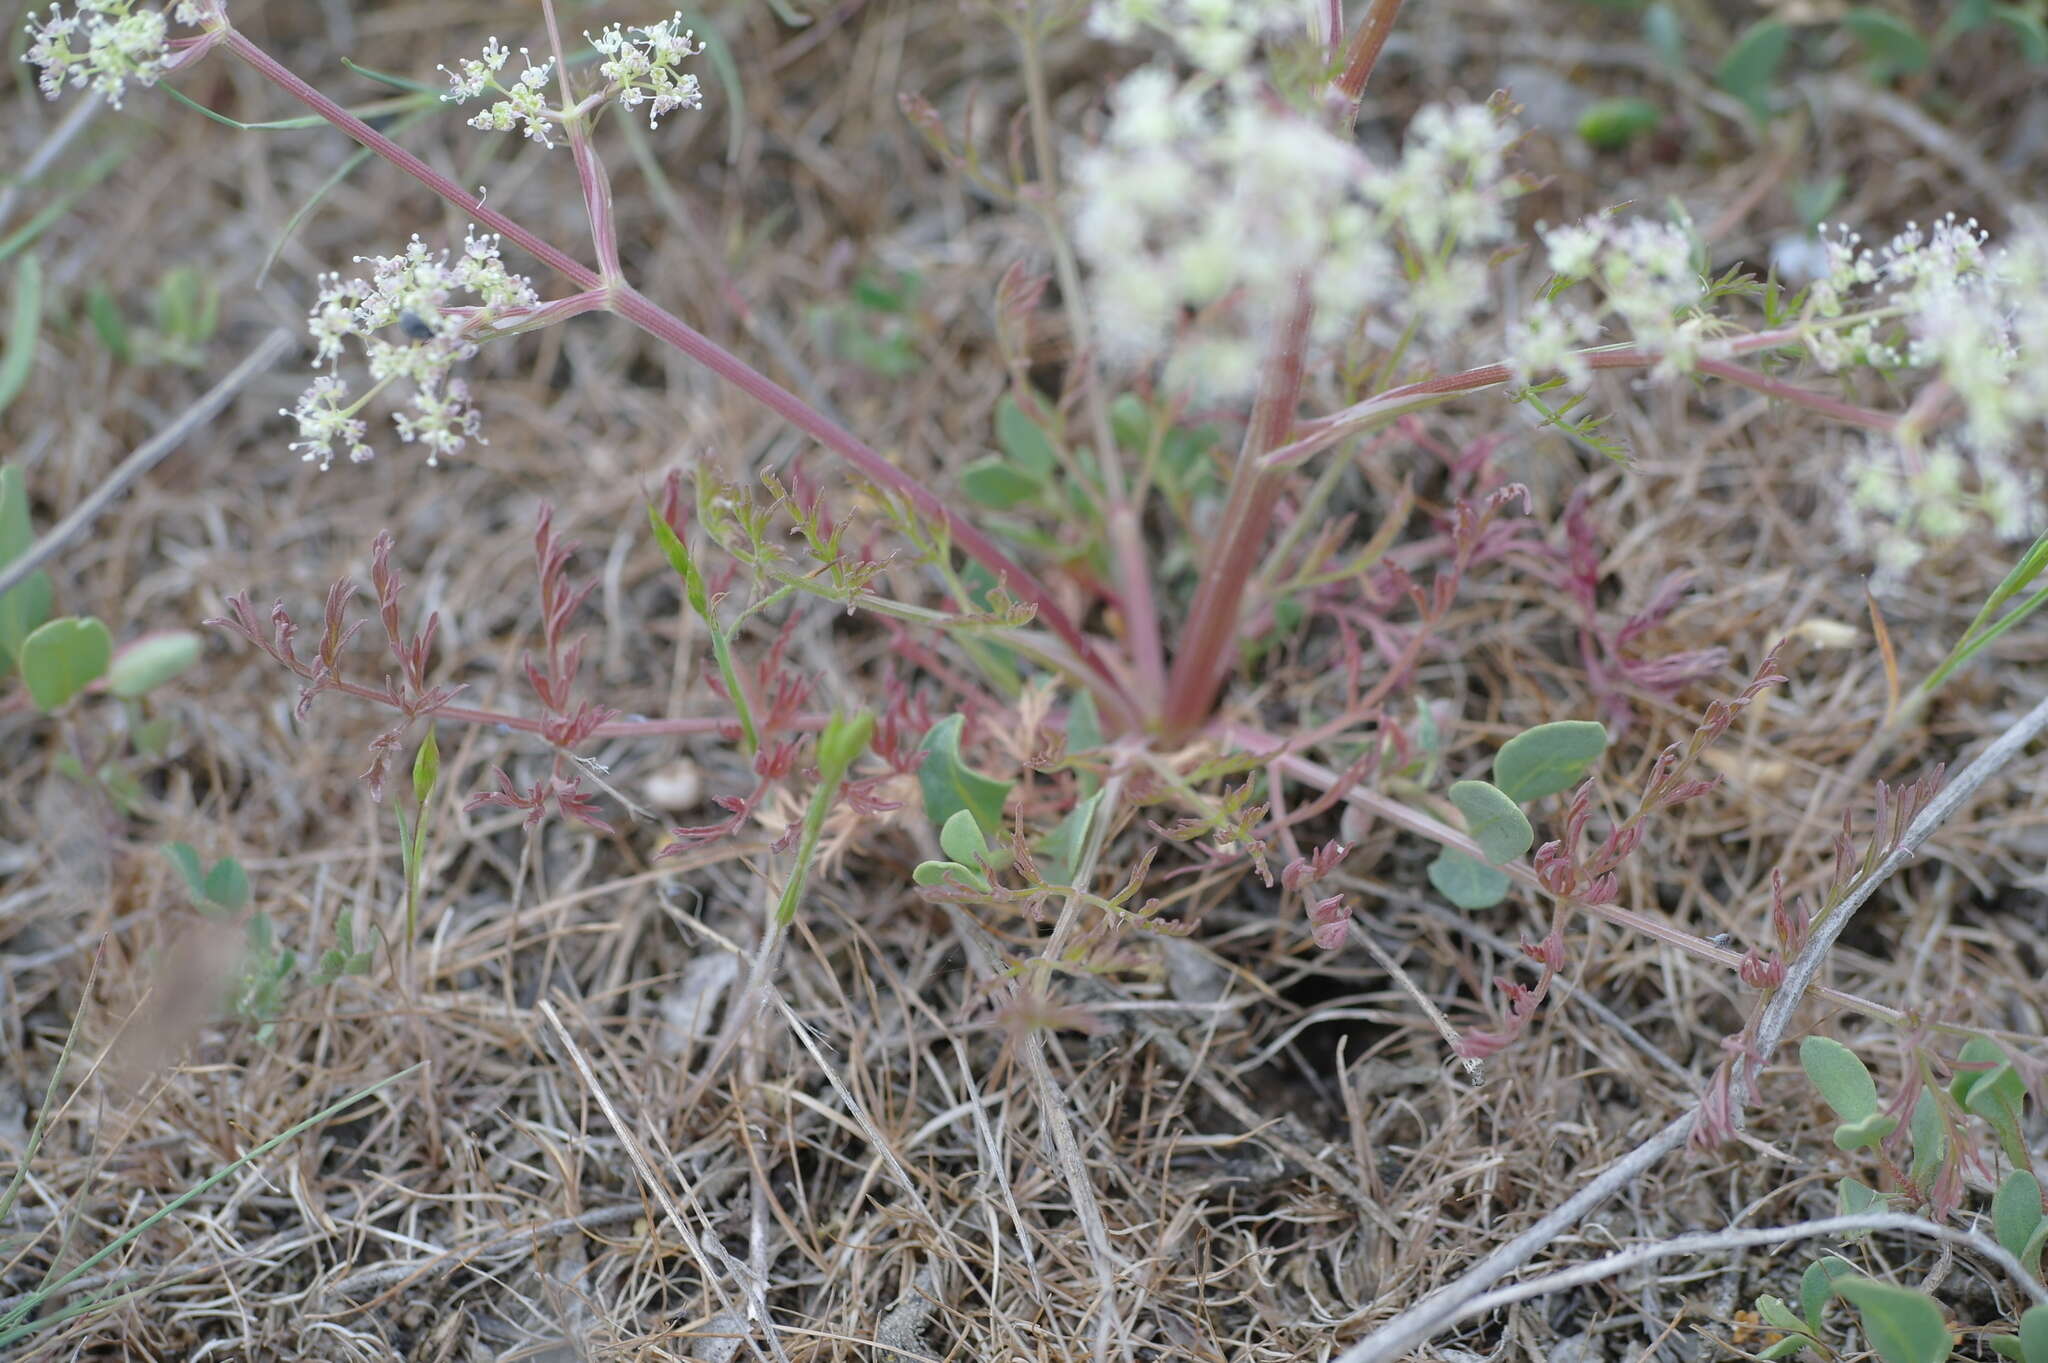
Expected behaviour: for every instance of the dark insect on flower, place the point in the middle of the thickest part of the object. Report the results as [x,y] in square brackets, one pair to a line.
[415,326]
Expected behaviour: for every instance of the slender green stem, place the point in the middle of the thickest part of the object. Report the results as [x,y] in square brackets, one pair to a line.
[699,598]
[843,741]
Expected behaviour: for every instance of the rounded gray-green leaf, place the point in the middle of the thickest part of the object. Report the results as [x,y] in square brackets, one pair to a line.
[1903,1326]
[1466,881]
[151,661]
[62,658]
[950,785]
[1495,821]
[1548,758]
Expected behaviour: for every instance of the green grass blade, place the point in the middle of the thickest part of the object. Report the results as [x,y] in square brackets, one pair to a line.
[11,1325]
[1970,647]
[45,1112]
[25,324]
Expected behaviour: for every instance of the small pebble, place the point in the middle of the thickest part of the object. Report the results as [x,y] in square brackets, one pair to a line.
[677,786]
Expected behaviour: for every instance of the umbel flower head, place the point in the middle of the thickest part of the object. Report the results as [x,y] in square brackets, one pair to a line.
[408,322]
[103,44]
[1208,205]
[1974,317]
[645,70]
[642,65]
[1647,274]
[1216,35]
[524,106]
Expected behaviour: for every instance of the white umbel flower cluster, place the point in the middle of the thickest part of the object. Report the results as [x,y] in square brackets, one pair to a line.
[646,70]
[1903,501]
[103,45]
[1647,276]
[408,323]
[1207,206]
[523,107]
[642,65]
[1216,35]
[1974,316]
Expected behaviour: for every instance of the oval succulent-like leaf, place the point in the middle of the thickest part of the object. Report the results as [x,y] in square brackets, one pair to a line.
[1665,34]
[1611,124]
[28,604]
[1495,822]
[2016,1211]
[1866,1133]
[1466,881]
[950,785]
[961,838]
[1891,43]
[2034,1335]
[1843,1080]
[1853,1197]
[227,885]
[1548,758]
[1903,1326]
[2032,34]
[186,859]
[1752,61]
[1982,1056]
[151,661]
[1779,1316]
[939,872]
[1930,1137]
[1060,853]
[62,658]
[2030,1253]
[1817,1284]
[1028,447]
[998,484]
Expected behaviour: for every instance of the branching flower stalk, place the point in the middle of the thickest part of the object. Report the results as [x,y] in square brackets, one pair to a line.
[628,303]
[1640,269]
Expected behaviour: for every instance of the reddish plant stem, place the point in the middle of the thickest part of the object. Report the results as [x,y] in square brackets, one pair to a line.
[1364,55]
[285,79]
[1140,604]
[590,177]
[1848,413]
[1199,666]
[665,326]
[1202,660]
[1322,432]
